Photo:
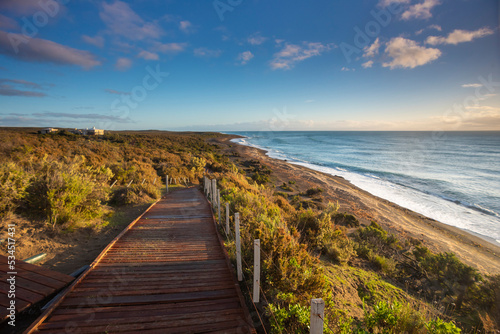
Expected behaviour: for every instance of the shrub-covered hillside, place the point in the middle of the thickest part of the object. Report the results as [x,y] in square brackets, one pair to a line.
[66,179]
[371,280]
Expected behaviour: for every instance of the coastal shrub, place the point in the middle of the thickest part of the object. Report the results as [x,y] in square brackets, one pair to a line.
[13,183]
[445,269]
[68,192]
[339,248]
[345,219]
[394,318]
[134,194]
[261,178]
[438,326]
[386,265]
[384,316]
[314,191]
[292,318]
[378,238]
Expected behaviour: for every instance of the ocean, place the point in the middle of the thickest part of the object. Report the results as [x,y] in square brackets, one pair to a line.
[452,177]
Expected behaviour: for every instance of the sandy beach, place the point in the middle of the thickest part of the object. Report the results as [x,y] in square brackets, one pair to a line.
[473,250]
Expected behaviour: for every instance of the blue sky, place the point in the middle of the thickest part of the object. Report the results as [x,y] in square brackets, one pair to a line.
[230,65]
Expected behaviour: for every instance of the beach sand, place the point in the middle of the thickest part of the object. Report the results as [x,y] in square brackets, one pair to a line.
[473,250]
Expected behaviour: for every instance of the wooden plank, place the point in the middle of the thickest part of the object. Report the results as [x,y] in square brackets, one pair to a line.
[162,321]
[44,315]
[29,285]
[161,275]
[108,299]
[21,293]
[35,277]
[23,266]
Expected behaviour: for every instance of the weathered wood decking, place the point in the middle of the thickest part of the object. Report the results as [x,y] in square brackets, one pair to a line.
[166,273]
[32,285]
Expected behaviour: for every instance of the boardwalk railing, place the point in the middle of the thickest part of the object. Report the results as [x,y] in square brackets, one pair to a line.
[213,195]
[168,181]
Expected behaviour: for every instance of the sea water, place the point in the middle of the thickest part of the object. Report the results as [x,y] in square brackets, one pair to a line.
[453,177]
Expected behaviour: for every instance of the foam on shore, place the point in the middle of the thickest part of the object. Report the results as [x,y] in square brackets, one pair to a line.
[462,215]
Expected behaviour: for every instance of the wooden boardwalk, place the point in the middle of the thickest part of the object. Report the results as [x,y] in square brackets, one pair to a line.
[32,285]
[166,273]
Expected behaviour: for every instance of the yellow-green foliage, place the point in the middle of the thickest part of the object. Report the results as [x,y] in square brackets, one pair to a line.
[66,178]
[13,183]
[68,191]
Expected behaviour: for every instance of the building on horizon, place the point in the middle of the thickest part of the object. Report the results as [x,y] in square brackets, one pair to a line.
[88,132]
[48,130]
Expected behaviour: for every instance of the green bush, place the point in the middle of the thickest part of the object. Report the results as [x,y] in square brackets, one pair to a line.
[388,266]
[339,248]
[293,318]
[313,192]
[438,326]
[13,183]
[68,192]
[345,219]
[384,316]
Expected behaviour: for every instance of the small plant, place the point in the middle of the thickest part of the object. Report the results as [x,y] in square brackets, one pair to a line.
[313,192]
[294,318]
[384,316]
[438,326]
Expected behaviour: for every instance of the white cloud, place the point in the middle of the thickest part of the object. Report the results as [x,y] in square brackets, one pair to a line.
[148,55]
[170,48]
[292,54]
[123,64]
[347,69]
[256,39]
[474,118]
[368,64]
[95,41]
[406,53]
[186,27]
[371,50]
[472,85]
[309,101]
[121,20]
[385,3]
[420,10]
[208,53]
[459,36]
[245,57]
[432,26]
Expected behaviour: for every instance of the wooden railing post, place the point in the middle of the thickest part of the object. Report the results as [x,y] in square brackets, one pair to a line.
[227,218]
[206,187]
[238,246]
[214,191]
[218,205]
[166,179]
[256,270]
[317,314]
